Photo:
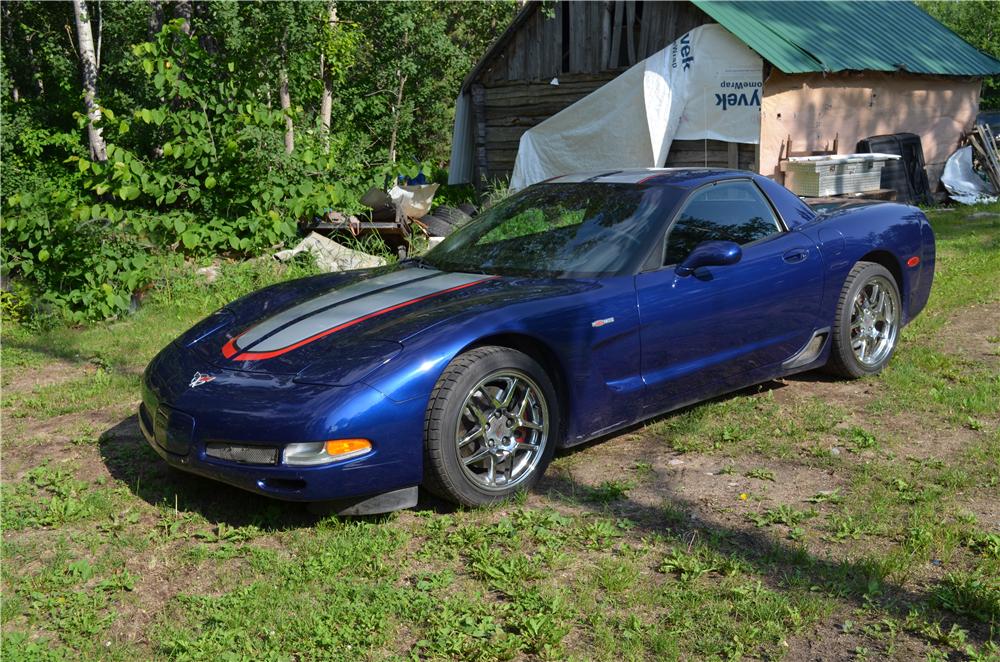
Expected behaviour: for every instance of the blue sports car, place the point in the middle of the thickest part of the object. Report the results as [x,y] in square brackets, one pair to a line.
[572,309]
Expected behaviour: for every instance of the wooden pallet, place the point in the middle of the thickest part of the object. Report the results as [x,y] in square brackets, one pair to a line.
[985,143]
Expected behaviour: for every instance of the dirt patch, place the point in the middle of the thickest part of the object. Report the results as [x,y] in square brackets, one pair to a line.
[69,438]
[974,334]
[840,637]
[25,380]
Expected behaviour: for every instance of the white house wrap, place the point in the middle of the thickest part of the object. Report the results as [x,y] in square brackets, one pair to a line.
[704,85]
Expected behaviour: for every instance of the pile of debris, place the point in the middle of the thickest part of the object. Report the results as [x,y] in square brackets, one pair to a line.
[403,217]
[972,174]
[397,214]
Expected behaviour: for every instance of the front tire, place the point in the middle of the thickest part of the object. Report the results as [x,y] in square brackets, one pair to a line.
[491,428]
[867,325]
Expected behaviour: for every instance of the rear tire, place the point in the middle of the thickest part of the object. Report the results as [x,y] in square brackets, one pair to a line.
[866,328]
[491,427]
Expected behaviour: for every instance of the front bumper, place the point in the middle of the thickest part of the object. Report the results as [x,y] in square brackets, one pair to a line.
[179,420]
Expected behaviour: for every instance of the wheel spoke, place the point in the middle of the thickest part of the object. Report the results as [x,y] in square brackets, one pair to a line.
[478,432]
[872,299]
[478,456]
[531,425]
[525,401]
[478,416]
[521,446]
[508,396]
[491,478]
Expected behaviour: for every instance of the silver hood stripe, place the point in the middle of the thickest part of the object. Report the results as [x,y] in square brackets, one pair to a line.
[313,306]
[327,314]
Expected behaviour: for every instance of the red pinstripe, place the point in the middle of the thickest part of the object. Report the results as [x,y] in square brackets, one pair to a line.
[230,351]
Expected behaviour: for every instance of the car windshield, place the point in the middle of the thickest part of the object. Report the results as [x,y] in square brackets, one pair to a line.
[560,230]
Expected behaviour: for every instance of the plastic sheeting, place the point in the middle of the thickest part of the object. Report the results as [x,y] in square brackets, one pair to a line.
[704,85]
[460,167]
[962,182]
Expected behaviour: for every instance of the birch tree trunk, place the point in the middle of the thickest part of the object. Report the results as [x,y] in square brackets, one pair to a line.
[397,109]
[88,62]
[326,104]
[286,98]
[183,11]
[155,18]
[8,35]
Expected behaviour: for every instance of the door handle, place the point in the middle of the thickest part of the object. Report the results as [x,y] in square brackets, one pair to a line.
[795,255]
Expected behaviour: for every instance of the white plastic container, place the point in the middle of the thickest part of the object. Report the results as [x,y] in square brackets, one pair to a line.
[817,176]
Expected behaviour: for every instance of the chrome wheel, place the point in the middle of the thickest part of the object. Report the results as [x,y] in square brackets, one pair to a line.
[502,430]
[874,321]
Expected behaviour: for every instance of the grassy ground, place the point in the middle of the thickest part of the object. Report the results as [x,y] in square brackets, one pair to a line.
[805,519]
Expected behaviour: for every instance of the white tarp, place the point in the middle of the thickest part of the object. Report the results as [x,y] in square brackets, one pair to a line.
[962,182]
[704,85]
[460,167]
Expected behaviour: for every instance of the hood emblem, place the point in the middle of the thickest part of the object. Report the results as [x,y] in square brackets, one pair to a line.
[599,323]
[198,379]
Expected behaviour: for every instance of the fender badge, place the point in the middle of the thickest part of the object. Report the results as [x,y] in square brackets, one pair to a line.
[599,323]
[198,379]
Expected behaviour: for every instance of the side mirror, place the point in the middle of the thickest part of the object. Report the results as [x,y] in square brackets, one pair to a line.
[710,254]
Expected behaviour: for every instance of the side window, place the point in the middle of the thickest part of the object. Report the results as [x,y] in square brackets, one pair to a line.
[731,211]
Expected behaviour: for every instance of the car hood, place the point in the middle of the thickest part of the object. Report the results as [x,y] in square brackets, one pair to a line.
[351,322]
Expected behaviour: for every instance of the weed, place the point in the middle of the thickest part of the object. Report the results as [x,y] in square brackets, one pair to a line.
[975,594]
[760,474]
[643,469]
[987,544]
[830,496]
[843,527]
[861,439]
[782,514]
[608,491]
[686,565]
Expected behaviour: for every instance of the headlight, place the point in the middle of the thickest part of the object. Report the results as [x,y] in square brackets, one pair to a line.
[323,452]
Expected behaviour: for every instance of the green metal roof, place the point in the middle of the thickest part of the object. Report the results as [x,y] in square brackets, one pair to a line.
[821,35]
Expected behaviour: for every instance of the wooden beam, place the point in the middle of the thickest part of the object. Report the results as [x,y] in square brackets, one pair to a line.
[481,163]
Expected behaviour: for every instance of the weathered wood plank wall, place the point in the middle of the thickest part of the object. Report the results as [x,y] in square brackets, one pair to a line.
[583,45]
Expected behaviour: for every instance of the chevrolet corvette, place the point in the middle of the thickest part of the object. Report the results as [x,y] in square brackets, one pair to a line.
[572,309]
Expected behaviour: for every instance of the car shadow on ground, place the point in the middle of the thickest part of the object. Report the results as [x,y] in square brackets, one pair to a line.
[129,459]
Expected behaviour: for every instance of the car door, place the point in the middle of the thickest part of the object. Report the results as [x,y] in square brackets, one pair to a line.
[723,327]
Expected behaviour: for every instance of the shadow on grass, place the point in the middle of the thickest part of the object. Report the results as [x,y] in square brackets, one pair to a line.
[129,459]
[782,565]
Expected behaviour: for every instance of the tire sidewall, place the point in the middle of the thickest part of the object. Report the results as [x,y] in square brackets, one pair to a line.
[468,493]
[848,357]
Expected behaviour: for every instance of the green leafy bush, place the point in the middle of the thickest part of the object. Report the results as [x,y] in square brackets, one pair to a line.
[77,258]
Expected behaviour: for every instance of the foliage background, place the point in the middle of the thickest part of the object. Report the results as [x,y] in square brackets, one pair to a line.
[197,165]
[195,129]
[977,22]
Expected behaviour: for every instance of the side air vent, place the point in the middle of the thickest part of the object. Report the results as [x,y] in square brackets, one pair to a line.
[810,352]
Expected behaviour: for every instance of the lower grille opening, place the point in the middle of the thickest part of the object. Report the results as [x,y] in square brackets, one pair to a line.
[242,454]
[284,483]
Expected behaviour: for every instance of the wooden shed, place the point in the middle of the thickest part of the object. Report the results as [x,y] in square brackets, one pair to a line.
[555,53]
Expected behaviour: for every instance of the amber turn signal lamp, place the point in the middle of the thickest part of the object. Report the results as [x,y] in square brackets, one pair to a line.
[342,446]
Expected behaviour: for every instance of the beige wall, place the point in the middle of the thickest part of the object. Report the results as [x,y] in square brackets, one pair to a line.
[814,108]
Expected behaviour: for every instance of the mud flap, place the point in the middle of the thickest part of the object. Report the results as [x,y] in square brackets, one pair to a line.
[372,505]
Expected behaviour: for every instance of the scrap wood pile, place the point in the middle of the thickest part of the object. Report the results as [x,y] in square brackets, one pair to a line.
[397,214]
[987,152]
